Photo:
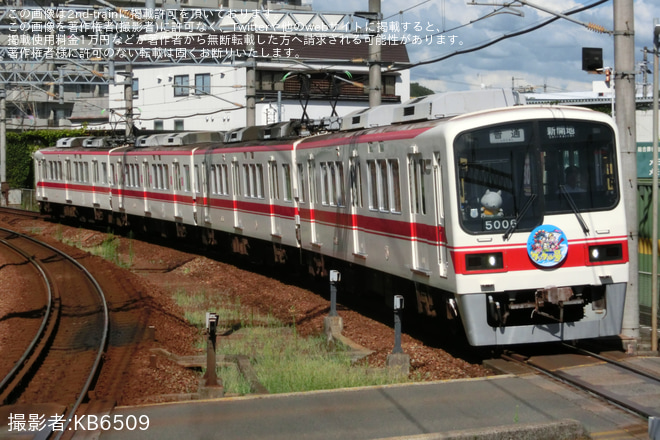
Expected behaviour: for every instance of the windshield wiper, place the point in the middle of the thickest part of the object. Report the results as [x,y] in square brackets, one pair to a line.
[521,214]
[575,209]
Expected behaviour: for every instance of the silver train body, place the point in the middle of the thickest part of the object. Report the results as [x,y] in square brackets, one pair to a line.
[471,217]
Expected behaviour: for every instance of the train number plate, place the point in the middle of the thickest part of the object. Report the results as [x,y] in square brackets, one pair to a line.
[498,224]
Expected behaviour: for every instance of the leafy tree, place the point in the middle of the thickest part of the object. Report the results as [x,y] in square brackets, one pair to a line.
[21,146]
[417,90]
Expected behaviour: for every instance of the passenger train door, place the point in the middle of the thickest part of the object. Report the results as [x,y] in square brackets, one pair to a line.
[355,188]
[67,179]
[236,191]
[274,197]
[441,235]
[176,189]
[313,199]
[146,183]
[419,170]
[203,187]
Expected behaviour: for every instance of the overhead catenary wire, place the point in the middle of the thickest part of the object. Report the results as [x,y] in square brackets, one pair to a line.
[497,40]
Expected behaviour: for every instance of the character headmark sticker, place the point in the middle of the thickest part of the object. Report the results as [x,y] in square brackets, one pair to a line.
[547,246]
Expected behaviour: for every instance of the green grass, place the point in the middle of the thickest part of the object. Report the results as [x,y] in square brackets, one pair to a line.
[108,249]
[282,360]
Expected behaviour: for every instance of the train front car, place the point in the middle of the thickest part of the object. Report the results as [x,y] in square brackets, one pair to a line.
[538,236]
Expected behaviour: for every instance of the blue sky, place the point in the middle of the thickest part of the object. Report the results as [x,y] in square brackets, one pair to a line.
[549,56]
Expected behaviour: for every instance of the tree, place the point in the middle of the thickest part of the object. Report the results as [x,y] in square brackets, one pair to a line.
[21,146]
[417,90]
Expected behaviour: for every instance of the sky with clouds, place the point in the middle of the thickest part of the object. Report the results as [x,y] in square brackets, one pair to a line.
[549,57]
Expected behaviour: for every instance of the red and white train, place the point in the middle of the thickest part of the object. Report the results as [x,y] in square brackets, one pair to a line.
[509,220]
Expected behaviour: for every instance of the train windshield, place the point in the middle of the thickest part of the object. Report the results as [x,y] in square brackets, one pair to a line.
[513,175]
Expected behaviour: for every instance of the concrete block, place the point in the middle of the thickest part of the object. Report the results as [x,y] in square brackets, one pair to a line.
[399,361]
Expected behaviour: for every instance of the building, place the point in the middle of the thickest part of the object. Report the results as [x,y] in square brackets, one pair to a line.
[184,97]
[196,96]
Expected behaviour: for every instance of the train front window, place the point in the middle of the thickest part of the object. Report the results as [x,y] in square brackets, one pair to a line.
[497,187]
[510,176]
[579,166]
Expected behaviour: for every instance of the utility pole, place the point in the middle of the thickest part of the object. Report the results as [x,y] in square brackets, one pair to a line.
[375,81]
[654,235]
[625,105]
[250,85]
[128,99]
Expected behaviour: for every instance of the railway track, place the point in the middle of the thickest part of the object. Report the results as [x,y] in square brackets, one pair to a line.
[632,384]
[63,359]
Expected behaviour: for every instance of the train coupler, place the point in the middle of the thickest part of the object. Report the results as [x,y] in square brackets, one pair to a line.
[559,297]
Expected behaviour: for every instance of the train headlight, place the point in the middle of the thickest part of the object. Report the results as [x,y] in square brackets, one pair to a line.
[605,252]
[487,261]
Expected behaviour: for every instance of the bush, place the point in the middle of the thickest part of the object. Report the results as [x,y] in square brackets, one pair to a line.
[21,146]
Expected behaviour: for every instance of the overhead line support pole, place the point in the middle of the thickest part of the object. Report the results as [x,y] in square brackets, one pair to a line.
[654,237]
[375,80]
[625,106]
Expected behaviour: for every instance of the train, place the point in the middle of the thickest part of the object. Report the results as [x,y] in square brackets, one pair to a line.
[506,221]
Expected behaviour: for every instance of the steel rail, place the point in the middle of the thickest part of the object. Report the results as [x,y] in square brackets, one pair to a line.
[583,387]
[623,365]
[46,432]
[49,309]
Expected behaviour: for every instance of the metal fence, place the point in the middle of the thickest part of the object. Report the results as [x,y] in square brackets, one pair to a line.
[21,198]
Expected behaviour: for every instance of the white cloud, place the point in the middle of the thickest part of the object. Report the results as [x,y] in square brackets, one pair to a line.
[550,55]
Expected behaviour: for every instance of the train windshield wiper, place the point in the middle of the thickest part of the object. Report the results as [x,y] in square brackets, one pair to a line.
[521,214]
[575,209]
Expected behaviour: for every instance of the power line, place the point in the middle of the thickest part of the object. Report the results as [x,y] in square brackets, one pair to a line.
[497,40]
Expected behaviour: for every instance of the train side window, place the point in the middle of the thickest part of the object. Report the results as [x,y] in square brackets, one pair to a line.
[286,168]
[246,180]
[176,169]
[395,185]
[383,187]
[154,173]
[259,175]
[145,175]
[325,196]
[224,179]
[68,170]
[236,179]
[254,191]
[311,173]
[340,192]
[215,179]
[355,182]
[372,183]
[198,180]
[104,172]
[166,181]
[111,176]
[86,171]
[186,178]
[416,184]
[274,180]
[301,184]
[95,172]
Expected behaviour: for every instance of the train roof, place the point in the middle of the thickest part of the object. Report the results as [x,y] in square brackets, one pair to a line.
[391,121]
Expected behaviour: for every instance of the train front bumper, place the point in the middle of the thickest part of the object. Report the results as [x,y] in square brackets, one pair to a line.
[473,311]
